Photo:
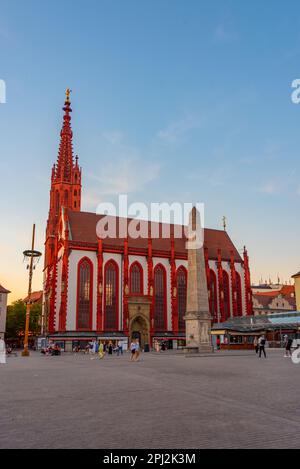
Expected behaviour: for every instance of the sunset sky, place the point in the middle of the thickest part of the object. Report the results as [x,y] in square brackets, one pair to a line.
[172,101]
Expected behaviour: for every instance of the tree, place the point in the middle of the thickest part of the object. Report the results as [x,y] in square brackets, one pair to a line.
[15,320]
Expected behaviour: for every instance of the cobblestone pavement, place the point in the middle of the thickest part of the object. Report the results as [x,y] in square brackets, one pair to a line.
[165,401]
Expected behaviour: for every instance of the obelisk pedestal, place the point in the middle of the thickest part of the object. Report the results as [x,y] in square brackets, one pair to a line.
[197,317]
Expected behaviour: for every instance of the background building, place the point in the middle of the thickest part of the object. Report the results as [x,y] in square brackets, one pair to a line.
[272,300]
[36,297]
[3,309]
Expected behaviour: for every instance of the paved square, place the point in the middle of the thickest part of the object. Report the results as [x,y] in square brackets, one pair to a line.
[230,400]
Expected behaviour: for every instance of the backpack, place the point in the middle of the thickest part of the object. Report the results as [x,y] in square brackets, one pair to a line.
[263,342]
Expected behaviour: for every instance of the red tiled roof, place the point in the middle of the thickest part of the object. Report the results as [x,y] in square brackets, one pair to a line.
[35,297]
[83,229]
[286,290]
[3,290]
[265,298]
[270,294]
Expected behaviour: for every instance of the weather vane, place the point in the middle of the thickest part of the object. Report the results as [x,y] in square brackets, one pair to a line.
[68,92]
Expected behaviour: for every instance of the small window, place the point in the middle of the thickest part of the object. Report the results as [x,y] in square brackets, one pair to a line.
[75,204]
[75,192]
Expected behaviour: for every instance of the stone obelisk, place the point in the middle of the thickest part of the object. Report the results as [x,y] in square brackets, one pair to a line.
[197,318]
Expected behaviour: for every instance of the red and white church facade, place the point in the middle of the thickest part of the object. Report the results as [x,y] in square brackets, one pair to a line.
[116,288]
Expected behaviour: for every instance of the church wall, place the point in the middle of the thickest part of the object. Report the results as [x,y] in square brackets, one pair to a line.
[180,262]
[74,258]
[166,264]
[77,255]
[239,268]
[58,289]
[143,261]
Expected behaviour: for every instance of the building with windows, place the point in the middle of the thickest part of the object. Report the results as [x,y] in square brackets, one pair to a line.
[3,309]
[273,301]
[123,286]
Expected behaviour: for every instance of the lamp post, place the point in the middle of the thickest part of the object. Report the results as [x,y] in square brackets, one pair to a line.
[32,256]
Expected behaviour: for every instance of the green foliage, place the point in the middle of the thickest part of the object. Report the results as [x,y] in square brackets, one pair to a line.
[15,320]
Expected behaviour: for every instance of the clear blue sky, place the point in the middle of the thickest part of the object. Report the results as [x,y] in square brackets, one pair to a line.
[172,100]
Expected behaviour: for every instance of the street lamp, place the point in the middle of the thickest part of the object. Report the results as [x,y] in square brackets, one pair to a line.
[32,257]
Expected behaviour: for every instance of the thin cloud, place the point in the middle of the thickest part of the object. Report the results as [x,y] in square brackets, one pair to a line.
[175,131]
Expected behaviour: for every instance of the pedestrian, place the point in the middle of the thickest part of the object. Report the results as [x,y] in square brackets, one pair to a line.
[262,344]
[132,350]
[137,350]
[101,352]
[218,342]
[255,343]
[120,348]
[110,348]
[2,352]
[288,346]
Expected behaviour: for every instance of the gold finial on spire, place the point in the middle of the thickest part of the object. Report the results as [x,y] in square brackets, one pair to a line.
[224,219]
[68,92]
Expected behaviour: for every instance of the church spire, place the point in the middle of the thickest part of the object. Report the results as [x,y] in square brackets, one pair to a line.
[65,176]
[65,160]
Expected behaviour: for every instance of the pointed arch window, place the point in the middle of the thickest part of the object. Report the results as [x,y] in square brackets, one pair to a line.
[136,279]
[181,296]
[226,295]
[84,294]
[111,296]
[213,302]
[239,295]
[160,303]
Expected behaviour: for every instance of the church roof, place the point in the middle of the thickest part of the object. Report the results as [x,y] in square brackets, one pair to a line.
[83,230]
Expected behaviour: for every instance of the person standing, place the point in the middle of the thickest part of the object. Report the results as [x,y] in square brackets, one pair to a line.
[110,348]
[120,348]
[132,350]
[137,350]
[262,344]
[101,352]
[218,342]
[2,352]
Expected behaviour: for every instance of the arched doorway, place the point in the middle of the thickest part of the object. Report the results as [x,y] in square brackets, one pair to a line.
[139,329]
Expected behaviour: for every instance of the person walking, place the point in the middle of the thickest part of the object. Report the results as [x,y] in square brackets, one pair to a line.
[255,344]
[288,346]
[262,344]
[110,348]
